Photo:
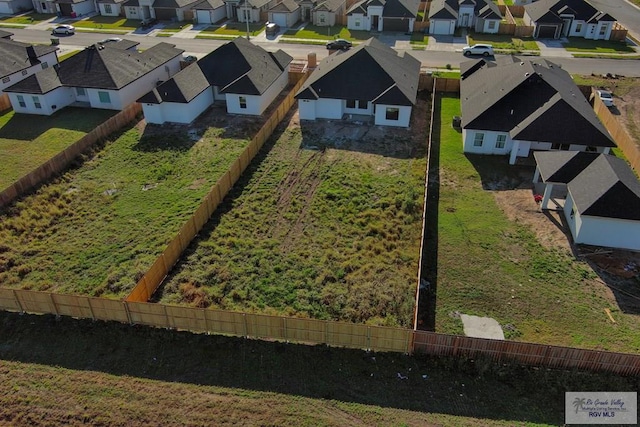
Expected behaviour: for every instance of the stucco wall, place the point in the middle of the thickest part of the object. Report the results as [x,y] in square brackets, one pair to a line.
[404,116]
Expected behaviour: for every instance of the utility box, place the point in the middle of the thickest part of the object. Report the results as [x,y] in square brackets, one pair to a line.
[456,122]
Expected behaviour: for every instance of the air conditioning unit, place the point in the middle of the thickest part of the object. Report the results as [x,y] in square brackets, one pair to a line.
[456,122]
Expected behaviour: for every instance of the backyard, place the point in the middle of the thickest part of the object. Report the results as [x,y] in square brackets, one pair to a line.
[326,225]
[493,263]
[26,141]
[97,229]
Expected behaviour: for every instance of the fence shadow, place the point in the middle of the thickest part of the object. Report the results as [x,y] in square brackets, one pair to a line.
[456,386]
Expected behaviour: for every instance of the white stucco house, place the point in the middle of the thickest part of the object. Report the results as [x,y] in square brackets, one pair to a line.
[383,15]
[251,10]
[21,60]
[285,14]
[109,76]
[244,76]
[12,7]
[162,10]
[568,18]
[45,6]
[602,205]
[370,80]
[516,106]
[110,7]
[74,8]
[483,16]
[209,11]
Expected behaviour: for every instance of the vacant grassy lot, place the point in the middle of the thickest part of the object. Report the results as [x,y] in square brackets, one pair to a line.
[98,228]
[84,373]
[504,42]
[327,33]
[327,226]
[107,22]
[490,266]
[27,141]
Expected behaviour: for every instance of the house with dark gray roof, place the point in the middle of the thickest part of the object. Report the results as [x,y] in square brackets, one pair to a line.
[162,10]
[21,60]
[13,7]
[103,76]
[209,11]
[244,76]
[371,80]
[483,16]
[383,15]
[602,204]
[110,7]
[518,105]
[5,34]
[251,10]
[285,14]
[553,19]
[75,8]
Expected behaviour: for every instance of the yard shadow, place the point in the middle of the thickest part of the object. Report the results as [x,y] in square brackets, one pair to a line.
[463,387]
[166,138]
[358,133]
[27,127]
[497,174]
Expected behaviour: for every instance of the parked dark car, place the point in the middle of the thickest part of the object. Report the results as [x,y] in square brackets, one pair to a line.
[272,29]
[339,44]
[148,23]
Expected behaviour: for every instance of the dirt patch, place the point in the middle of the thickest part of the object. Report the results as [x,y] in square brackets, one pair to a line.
[627,105]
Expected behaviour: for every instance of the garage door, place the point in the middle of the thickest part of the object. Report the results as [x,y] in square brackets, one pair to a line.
[440,27]
[203,17]
[165,14]
[395,24]
[280,19]
[65,9]
[547,31]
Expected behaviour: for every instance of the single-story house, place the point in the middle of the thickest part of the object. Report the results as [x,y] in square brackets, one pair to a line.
[245,76]
[251,10]
[12,7]
[567,18]
[514,106]
[371,80]
[365,15]
[108,76]
[210,11]
[325,13]
[21,60]
[110,7]
[75,8]
[163,10]
[602,205]
[383,15]
[286,13]
[45,6]
[445,16]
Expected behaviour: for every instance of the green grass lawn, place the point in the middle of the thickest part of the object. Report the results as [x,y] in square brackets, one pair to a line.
[580,45]
[419,39]
[314,32]
[107,23]
[504,42]
[67,55]
[234,29]
[97,229]
[315,232]
[27,141]
[170,29]
[490,266]
[31,18]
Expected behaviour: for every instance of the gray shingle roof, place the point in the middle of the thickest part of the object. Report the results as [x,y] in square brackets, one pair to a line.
[243,68]
[5,34]
[173,4]
[330,5]
[107,67]
[533,100]
[209,4]
[371,71]
[560,167]
[449,9]
[401,8]
[15,56]
[285,6]
[359,7]
[442,9]
[40,83]
[548,11]
[607,188]
[181,88]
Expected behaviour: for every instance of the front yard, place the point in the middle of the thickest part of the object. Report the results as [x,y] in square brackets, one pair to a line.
[313,32]
[326,225]
[232,29]
[27,141]
[98,228]
[30,18]
[493,260]
[107,23]
[504,42]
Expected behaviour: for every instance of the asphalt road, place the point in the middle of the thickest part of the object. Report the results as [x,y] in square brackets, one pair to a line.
[428,58]
[625,12]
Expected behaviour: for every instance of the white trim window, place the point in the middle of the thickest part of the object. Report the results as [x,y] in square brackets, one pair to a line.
[104,97]
[500,141]
[36,102]
[21,101]
[478,139]
[392,113]
[243,102]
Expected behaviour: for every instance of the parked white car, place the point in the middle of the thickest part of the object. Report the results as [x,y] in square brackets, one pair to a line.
[606,97]
[64,29]
[478,49]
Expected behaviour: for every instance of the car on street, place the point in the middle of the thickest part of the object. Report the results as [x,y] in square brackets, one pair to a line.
[64,29]
[339,44]
[110,40]
[272,29]
[606,97]
[478,49]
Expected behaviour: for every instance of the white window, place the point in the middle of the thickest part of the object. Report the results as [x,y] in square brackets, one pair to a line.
[107,8]
[133,11]
[36,102]
[80,91]
[392,113]
[243,102]
[360,104]
[322,19]
[357,23]
[104,97]
[578,27]
[21,101]
[478,139]
[492,25]
[500,140]
[603,30]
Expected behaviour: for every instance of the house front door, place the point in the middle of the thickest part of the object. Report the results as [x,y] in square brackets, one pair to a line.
[374,22]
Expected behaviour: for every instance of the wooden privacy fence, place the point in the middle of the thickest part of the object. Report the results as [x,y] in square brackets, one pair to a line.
[5,104]
[62,160]
[148,284]
[628,146]
[260,326]
[526,353]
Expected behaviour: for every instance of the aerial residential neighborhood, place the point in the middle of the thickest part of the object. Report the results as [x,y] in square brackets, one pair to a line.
[340,212]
